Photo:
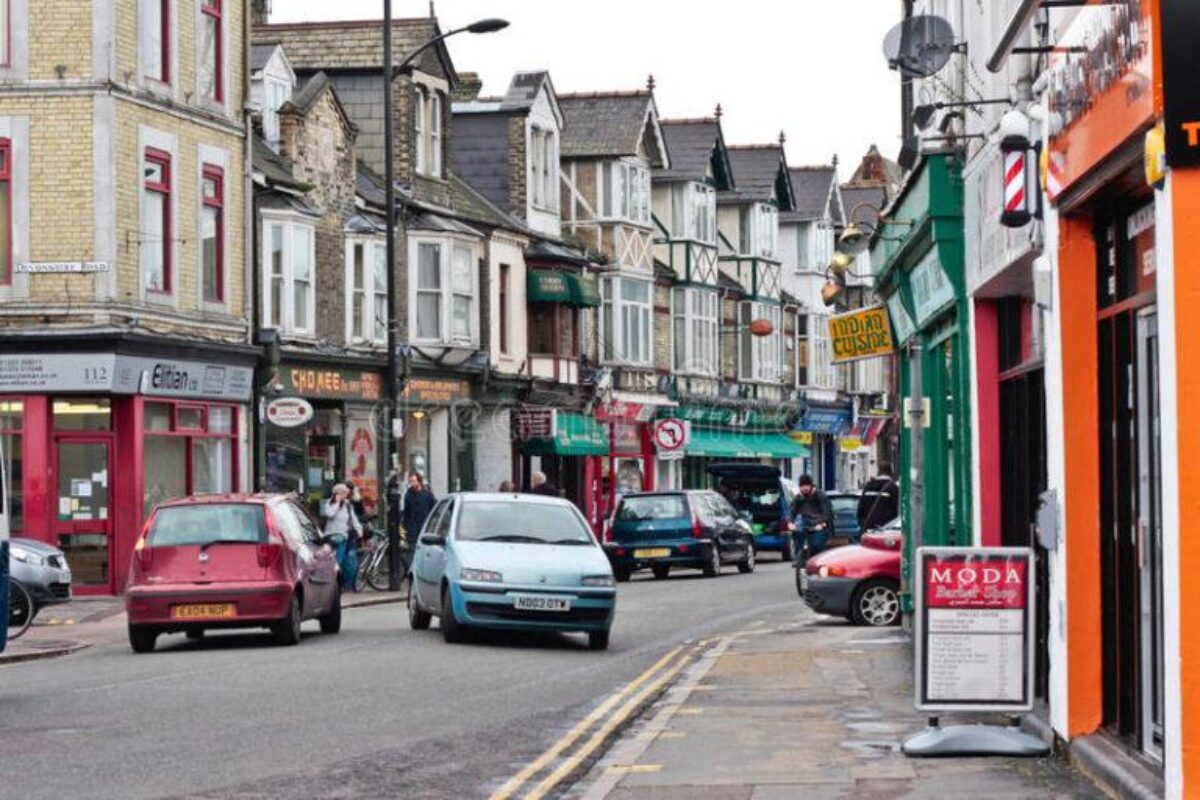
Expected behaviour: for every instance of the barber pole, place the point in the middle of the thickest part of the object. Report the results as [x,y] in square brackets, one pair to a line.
[1016,194]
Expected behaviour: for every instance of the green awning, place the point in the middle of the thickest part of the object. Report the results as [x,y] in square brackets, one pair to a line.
[743,444]
[585,290]
[577,436]
[549,286]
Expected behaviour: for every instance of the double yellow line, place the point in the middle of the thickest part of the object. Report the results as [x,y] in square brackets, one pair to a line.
[634,695]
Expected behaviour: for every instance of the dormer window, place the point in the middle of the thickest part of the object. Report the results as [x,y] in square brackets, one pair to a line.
[427,127]
[543,161]
[694,212]
[276,92]
[759,231]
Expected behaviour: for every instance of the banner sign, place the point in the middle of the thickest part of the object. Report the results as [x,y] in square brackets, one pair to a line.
[864,333]
[1181,95]
[975,632]
[334,384]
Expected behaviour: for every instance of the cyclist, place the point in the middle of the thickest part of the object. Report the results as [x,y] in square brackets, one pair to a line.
[812,514]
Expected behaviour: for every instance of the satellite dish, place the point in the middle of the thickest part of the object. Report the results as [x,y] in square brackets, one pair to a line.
[920,46]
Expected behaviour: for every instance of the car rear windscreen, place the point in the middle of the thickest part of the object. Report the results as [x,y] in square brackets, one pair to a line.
[204,524]
[663,506]
[550,524]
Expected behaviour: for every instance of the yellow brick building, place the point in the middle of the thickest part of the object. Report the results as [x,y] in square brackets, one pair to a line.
[124,309]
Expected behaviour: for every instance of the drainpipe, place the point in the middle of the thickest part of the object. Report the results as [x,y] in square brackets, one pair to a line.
[249,299]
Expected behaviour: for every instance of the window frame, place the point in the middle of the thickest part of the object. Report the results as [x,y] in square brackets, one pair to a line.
[615,322]
[215,173]
[435,134]
[368,295]
[624,191]
[505,333]
[446,291]
[419,126]
[204,433]
[700,319]
[214,10]
[163,159]
[7,268]
[285,324]
[165,73]
[765,362]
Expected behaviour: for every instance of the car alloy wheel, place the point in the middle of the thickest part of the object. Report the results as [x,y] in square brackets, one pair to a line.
[287,630]
[713,568]
[747,565]
[876,603]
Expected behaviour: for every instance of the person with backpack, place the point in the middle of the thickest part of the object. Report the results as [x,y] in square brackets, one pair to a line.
[879,503]
[812,515]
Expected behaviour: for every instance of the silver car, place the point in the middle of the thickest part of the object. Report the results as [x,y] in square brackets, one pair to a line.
[43,570]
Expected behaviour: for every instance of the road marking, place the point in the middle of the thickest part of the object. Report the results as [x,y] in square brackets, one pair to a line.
[572,762]
[672,734]
[633,769]
[690,711]
[542,761]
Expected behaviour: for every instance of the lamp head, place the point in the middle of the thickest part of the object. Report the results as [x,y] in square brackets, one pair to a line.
[490,25]
[841,263]
[830,293]
[854,239]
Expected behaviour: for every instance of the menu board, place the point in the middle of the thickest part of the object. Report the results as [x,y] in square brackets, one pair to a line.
[974,629]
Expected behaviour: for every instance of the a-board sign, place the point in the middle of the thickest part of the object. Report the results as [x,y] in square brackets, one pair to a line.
[974,625]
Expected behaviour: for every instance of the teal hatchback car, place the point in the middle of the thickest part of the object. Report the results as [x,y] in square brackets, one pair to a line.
[511,562]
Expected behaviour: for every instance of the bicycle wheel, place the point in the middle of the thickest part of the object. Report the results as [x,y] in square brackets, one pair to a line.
[365,559]
[377,575]
[20,609]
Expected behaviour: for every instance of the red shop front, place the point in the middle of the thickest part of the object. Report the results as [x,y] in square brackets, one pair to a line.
[629,466]
[86,467]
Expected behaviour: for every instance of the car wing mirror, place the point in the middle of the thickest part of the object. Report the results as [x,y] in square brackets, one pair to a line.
[433,540]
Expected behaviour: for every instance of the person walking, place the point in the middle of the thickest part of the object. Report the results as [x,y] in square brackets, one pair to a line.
[538,484]
[418,502]
[879,503]
[341,525]
[507,487]
[812,513]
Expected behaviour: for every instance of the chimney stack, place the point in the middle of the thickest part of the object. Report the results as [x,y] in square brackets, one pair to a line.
[260,11]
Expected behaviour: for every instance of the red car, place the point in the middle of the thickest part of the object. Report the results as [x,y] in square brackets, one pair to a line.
[859,581]
[230,561]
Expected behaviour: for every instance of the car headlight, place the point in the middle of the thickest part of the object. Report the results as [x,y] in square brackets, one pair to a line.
[29,558]
[480,575]
[599,580]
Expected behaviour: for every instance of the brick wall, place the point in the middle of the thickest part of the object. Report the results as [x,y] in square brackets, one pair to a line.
[662,327]
[60,41]
[518,178]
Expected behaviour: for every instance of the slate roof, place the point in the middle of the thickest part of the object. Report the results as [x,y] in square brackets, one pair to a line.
[760,174]
[275,167]
[875,195]
[609,124]
[812,186]
[260,54]
[691,143]
[354,45]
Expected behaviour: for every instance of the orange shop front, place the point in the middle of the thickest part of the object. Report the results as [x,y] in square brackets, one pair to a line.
[94,440]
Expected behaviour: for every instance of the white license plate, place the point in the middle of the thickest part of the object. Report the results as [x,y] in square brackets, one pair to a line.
[540,603]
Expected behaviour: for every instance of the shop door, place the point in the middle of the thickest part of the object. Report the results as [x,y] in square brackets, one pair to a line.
[83,516]
[325,468]
[1149,543]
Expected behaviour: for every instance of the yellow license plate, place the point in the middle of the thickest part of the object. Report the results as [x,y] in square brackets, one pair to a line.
[204,611]
[652,552]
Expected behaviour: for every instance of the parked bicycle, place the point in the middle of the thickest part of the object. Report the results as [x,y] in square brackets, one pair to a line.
[373,560]
[21,609]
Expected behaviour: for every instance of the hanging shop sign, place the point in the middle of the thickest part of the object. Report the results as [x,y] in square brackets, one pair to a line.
[830,420]
[932,290]
[850,444]
[535,423]
[332,384]
[801,437]
[865,333]
[671,436]
[624,411]
[1101,84]
[289,412]
[975,632]
[902,324]
[1181,96]
[436,391]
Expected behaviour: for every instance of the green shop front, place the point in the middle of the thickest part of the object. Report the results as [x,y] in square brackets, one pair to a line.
[720,434]
[573,456]
[918,258]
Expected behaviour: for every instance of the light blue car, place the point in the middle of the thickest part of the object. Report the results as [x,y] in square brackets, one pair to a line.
[511,562]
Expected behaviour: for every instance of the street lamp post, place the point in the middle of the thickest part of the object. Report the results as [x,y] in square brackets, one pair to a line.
[392,380]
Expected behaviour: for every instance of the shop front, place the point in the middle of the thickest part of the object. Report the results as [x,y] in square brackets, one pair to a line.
[724,434]
[572,449]
[336,437]
[95,439]
[441,430]
[822,426]
[920,274]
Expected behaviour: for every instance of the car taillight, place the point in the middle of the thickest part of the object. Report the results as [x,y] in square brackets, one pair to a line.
[268,553]
[143,553]
[697,528]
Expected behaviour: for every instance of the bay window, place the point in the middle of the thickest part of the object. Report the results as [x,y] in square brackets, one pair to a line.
[288,260]
[366,291]
[760,357]
[155,35]
[211,50]
[155,239]
[444,296]
[543,163]
[695,321]
[212,234]
[694,212]
[759,230]
[625,192]
[626,330]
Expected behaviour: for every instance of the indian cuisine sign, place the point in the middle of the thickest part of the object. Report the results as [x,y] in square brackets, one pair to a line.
[865,333]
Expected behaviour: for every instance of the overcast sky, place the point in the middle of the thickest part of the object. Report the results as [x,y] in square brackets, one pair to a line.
[812,68]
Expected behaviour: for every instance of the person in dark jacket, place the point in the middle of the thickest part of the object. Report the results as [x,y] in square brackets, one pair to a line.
[539,485]
[812,513]
[418,502]
[880,500]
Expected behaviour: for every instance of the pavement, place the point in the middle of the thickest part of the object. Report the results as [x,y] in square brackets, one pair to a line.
[67,628]
[812,709]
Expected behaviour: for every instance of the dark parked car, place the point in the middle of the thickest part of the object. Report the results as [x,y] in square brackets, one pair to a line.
[231,561]
[859,581]
[766,496]
[661,530]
